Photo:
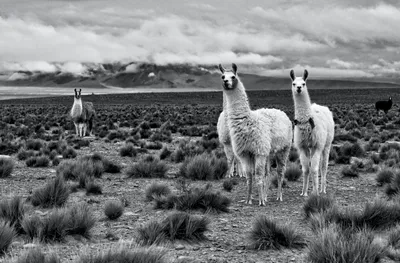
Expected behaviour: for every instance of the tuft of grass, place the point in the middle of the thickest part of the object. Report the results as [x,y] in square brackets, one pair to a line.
[156,190]
[267,234]
[293,172]
[54,194]
[111,167]
[38,161]
[13,212]
[126,254]
[35,255]
[228,184]
[317,204]
[165,153]
[113,209]
[384,177]
[128,150]
[93,188]
[54,227]
[177,226]
[147,169]
[349,171]
[31,226]
[80,220]
[7,234]
[6,167]
[334,245]
[204,167]
[203,199]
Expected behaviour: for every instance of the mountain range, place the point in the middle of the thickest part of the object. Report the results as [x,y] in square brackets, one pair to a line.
[178,76]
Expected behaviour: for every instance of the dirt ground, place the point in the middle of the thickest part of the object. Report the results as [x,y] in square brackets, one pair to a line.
[228,231]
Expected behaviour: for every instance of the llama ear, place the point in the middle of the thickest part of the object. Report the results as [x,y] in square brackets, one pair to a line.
[80,90]
[305,75]
[234,67]
[221,68]
[292,76]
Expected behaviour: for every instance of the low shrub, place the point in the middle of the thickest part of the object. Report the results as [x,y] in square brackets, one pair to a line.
[293,172]
[126,254]
[128,150]
[113,209]
[349,171]
[177,226]
[80,220]
[334,245]
[12,211]
[203,199]
[204,167]
[7,234]
[268,234]
[54,227]
[157,190]
[317,204]
[6,167]
[147,169]
[54,194]
[38,161]
[385,176]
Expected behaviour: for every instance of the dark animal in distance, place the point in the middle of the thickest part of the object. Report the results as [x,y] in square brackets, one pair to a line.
[384,105]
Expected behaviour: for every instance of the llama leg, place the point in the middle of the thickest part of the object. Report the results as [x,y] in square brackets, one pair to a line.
[246,164]
[260,179]
[81,129]
[324,168]
[305,167]
[84,129]
[267,177]
[239,168]
[230,159]
[91,127]
[281,168]
[76,129]
[315,161]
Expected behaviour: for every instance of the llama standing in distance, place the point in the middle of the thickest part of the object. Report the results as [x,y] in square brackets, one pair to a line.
[82,113]
[225,139]
[255,135]
[384,105]
[313,134]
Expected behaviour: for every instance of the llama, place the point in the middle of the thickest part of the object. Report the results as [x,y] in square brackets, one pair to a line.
[313,134]
[384,105]
[255,135]
[82,114]
[225,140]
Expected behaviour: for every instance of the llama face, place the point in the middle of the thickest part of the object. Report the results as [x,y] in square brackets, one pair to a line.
[229,77]
[77,94]
[299,83]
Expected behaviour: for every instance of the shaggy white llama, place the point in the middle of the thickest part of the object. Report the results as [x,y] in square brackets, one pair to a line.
[82,114]
[313,134]
[255,135]
[225,139]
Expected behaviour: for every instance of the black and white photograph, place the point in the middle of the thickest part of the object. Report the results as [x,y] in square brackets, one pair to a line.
[183,131]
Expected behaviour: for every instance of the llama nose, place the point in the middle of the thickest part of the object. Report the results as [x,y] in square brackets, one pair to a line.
[225,81]
[298,89]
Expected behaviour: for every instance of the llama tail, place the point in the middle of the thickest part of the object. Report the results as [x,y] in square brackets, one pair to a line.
[90,125]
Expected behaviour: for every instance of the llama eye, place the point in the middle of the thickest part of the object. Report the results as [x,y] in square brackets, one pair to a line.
[304,84]
[223,77]
[294,84]
[233,77]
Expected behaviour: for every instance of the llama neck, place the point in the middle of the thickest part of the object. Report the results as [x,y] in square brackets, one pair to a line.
[76,108]
[237,103]
[224,105]
[302,106]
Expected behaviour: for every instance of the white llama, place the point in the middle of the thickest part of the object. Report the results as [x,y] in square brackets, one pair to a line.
[313,134]
[82,114]
[225,139]
[255,135]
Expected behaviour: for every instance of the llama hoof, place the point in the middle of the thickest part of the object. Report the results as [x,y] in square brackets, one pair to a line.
[279,199]
[261,204]
[304,194]
[249,202]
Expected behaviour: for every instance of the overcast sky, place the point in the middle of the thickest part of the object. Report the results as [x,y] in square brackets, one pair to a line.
[337,38]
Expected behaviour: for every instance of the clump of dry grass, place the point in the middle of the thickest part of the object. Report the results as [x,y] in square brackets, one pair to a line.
[6,167]
[7,234]
[266,234]
[54,194]
[113,209]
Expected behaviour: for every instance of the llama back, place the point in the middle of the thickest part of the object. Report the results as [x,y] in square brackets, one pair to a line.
[322,112]
[279,126]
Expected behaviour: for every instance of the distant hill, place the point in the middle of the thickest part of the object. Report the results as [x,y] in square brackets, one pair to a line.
[133,75]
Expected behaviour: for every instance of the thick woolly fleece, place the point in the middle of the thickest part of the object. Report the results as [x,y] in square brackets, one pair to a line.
[314,144]
[255,135]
